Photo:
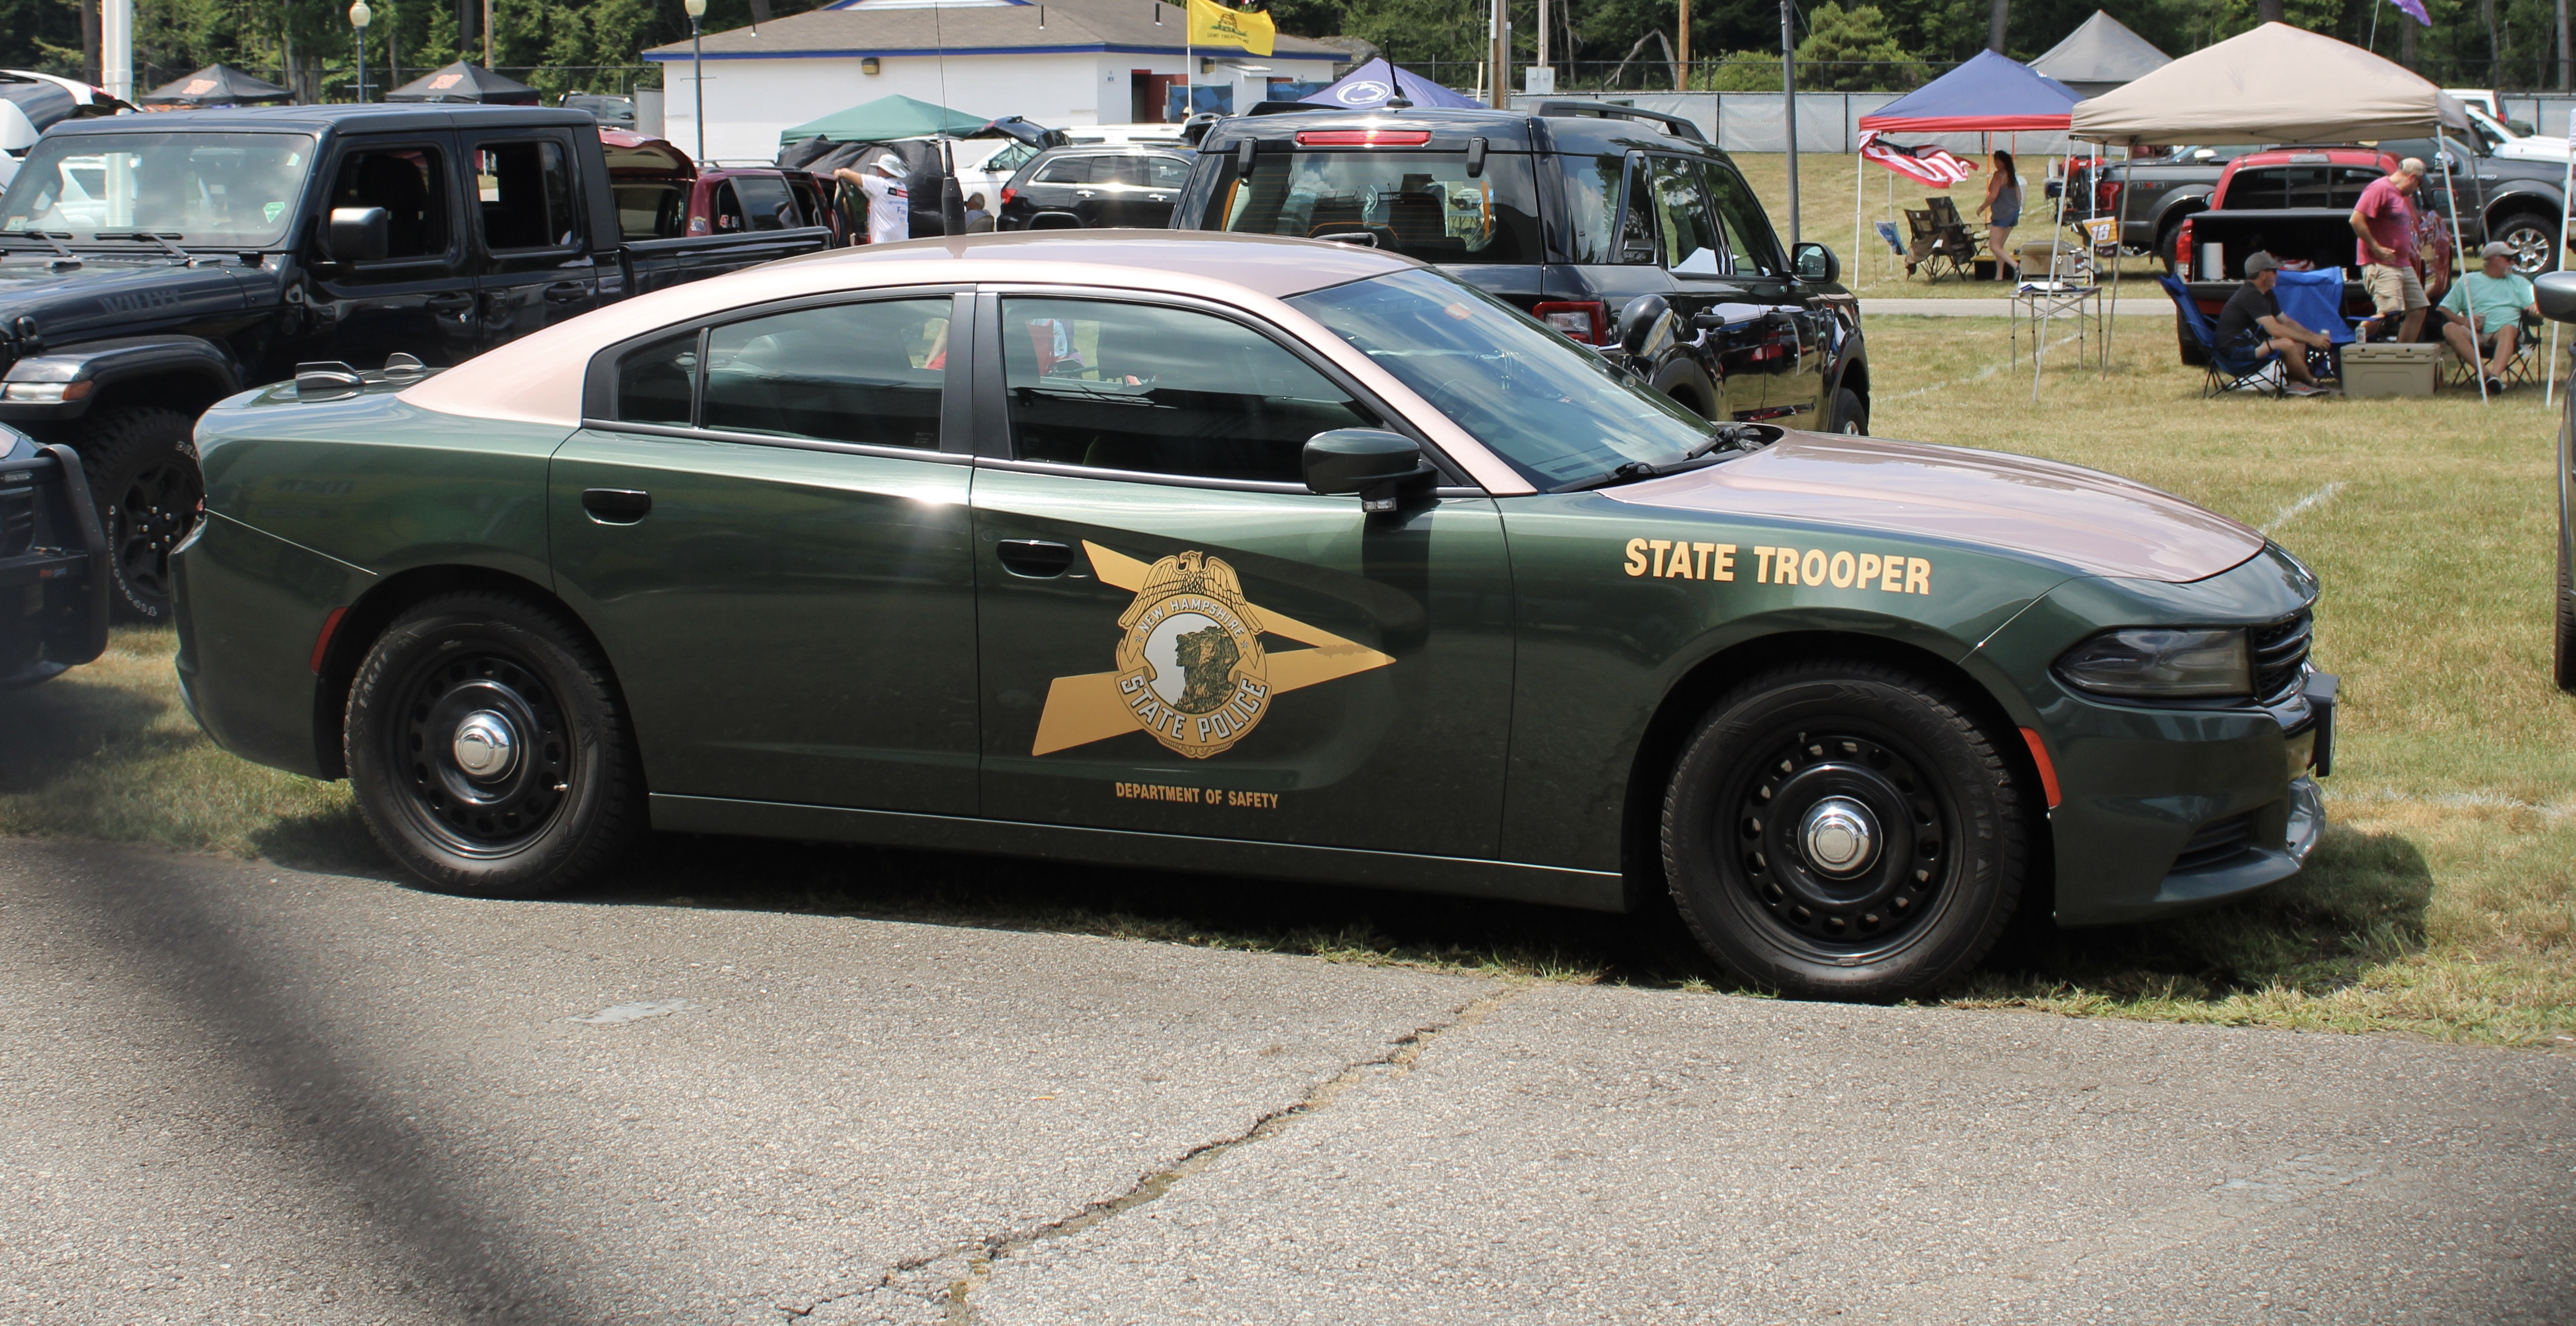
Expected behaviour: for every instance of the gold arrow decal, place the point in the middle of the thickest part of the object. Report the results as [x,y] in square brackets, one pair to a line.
[1088,708]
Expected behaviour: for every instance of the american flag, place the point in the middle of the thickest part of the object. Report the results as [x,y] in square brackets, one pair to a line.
[1931,165]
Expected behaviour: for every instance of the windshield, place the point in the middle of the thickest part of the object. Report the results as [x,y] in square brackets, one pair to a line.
[1420,204]
[1557,412]
[222,190]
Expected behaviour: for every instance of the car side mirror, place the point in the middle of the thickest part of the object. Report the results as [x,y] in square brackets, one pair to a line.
[2555,293]
[360,234]
[1371,462]
[1814,262]
[1645,327]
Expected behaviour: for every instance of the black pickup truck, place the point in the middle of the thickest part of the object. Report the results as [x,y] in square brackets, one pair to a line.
[153,265]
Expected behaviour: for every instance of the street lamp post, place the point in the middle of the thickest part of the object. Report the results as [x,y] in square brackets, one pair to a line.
[359,14]
[697,72]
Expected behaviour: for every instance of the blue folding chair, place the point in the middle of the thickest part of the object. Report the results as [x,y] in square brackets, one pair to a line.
[2226,372]
[2314,300]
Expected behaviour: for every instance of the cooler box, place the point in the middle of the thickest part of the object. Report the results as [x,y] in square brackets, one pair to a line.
[2390,369]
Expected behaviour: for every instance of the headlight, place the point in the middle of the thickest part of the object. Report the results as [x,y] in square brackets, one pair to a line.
[2159,663]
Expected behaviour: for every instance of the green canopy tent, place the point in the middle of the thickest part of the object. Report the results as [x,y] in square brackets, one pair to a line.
[884,120]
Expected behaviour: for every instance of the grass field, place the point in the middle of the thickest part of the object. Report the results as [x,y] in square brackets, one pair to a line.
[2442,902]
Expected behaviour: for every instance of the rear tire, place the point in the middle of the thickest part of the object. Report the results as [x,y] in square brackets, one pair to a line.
[1851,414]
[1826,756]
[554,792]
[2534,238]
[2566,652]
[142,468]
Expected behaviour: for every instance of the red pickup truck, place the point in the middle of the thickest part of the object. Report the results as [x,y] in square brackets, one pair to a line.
[2293,203]
[662,194]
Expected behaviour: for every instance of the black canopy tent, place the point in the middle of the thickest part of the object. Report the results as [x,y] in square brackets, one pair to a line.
[467,83]
[216,85]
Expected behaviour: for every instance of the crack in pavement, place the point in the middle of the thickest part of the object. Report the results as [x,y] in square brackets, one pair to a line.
[981,1257]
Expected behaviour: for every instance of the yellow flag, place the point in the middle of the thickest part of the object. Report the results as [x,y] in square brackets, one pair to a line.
[1213,24]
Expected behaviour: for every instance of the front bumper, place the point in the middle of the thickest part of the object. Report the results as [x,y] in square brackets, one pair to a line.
[2164,810]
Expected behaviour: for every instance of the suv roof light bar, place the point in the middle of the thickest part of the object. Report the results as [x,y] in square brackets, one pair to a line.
[1603,110]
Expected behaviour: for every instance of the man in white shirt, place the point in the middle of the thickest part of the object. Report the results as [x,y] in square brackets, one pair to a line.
[889,201]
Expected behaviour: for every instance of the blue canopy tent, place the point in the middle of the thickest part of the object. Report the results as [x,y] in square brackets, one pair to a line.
[1374,84]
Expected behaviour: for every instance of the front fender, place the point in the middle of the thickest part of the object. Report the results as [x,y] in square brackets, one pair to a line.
[63,384]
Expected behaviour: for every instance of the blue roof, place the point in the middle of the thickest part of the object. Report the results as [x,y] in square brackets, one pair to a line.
[1989,94]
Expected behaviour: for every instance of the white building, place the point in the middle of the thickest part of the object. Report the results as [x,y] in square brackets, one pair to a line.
[1060,63]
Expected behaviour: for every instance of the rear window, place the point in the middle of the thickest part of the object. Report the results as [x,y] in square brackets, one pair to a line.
[1420,204]
[2306,185]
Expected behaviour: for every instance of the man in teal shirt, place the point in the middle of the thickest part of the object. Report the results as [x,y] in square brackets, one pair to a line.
[2488,306]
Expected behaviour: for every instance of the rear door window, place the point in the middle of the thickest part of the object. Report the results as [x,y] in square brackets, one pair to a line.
[765,202]
[1065,170]
[1421,204]
[1610,210]
[868,373]
[524,194]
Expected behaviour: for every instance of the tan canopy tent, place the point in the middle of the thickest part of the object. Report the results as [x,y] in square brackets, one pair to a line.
[2276,84]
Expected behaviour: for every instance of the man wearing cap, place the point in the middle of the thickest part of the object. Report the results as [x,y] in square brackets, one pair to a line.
[889,201]
[2488,307]
[2384,220]
[2252,325]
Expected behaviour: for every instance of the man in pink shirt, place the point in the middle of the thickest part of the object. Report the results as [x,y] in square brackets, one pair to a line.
[2385,222]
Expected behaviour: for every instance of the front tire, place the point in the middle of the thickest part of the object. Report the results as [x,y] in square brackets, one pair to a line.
[142,468]
[487,749]
[2566,651]
[1842,830]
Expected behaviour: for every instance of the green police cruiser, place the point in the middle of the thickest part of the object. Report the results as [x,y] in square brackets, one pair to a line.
[1260,558]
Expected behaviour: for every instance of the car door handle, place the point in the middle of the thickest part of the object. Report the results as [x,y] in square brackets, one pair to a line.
[616,506]
[1035,558]
[450,302]
[1156,198]
[565,292]
[1082,193]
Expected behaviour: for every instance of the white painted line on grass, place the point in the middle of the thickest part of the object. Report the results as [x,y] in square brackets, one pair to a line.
[2291,512]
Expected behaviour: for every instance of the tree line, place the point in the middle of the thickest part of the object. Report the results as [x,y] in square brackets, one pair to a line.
[568,45]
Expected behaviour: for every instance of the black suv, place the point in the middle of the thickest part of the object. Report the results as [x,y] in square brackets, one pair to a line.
[1570,214]
[1117,185]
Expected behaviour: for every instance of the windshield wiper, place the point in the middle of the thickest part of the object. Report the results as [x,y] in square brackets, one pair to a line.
[1724,435]
[52,241]
[161,238]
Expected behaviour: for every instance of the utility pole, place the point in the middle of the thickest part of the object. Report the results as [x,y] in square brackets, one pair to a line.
[2562,45]
[2272,11]
[89,41]
[116,48]
[1789,103]
[487,32]
[1683,49]
[1542,31]
[1498,54]
[1996,21]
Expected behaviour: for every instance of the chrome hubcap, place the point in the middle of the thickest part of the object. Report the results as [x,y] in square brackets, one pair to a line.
[486,747]
[1838,836]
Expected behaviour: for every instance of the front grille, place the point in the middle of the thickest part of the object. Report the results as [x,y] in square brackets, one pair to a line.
[17,521]
[2280,657]
[2217,842]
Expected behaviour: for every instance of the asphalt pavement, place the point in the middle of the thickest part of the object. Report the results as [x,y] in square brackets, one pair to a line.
[233,1092]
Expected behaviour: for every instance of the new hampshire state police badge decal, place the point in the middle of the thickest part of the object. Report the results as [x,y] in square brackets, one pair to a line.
[1192,671]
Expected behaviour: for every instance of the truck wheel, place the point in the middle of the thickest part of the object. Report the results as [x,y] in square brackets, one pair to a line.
[2192,355]
[1850,414]
[1842,830]
[487,751]
[142,467]
[2534,239]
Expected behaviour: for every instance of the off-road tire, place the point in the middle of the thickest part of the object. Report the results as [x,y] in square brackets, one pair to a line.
[557,816]
[1946,809]
[1850,414]
[2534,237]
[143,478]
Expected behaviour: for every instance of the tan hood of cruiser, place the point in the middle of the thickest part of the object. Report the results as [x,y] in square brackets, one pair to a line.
[2093,521]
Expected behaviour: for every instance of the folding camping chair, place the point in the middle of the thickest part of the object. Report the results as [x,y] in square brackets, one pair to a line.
[2517,370]
[2314,300]
[1935,248]
[2225,373]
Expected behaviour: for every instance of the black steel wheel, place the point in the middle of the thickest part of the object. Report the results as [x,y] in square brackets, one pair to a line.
[1843,831]
[142,468]
[486,748]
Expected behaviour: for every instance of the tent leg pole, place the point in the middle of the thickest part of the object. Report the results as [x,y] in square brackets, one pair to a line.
[2459,247]
[1858,182]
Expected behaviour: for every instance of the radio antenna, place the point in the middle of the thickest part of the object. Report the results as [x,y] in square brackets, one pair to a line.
[952,199]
